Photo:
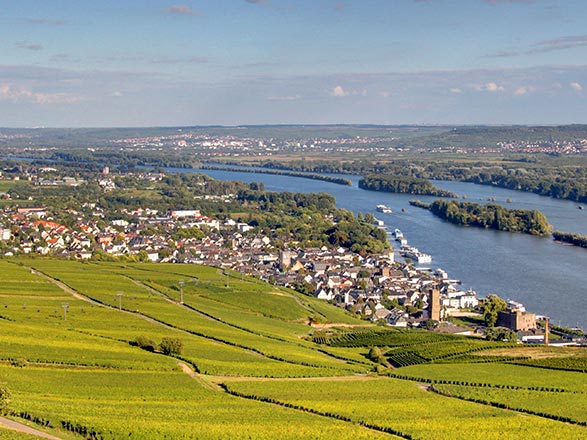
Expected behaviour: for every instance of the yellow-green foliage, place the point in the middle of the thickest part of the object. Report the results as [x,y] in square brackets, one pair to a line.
[78,370]
[408,408]
[150,405]
[550,403]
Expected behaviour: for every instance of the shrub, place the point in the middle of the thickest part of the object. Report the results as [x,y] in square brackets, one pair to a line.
[145,343]
[171,346]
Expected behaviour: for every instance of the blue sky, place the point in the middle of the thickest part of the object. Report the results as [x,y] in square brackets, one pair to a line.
[71,63]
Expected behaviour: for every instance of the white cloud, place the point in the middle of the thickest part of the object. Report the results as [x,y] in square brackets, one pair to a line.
[339,92]
[385,94]
[117,94]
[489,87]
[456,90]
[576,86]
[523,90]
[20,93]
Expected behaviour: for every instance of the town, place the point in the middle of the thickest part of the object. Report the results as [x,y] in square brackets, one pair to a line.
[375,287]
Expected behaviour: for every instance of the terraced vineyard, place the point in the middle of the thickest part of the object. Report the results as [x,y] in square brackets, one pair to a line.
[250,365]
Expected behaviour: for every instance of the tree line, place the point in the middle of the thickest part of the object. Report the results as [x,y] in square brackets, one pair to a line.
[571,238]
[402,184]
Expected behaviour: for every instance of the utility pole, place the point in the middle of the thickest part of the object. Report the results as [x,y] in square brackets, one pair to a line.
[65,308]
[181,284]
[119,295]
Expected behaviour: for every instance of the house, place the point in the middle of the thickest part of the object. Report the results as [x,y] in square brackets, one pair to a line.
[397,318]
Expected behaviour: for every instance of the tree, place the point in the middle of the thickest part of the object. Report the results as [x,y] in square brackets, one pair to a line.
[145,343]
[492,306]
[171,346]
[375,354]
[5,396]
[501,334]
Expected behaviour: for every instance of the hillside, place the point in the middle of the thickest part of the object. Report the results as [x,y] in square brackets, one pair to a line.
[249,364]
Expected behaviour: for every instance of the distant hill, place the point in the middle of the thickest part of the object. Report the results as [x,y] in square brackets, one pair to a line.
[423,136]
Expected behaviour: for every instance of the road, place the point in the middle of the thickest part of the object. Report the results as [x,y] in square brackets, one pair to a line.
[11,424]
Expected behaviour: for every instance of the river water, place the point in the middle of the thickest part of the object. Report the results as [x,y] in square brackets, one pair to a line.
[549,278]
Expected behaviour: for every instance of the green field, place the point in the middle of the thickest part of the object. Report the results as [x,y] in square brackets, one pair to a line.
[250,365]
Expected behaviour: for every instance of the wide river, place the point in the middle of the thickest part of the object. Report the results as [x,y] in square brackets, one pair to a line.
[549,278]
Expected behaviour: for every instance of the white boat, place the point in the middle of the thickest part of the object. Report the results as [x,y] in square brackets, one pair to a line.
[415,254]
[398,234]
[384,209]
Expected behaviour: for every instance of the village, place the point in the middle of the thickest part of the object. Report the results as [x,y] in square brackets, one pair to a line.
[373,286]
[380,288]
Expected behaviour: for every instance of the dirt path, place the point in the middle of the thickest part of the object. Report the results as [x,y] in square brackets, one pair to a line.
[64,287]
[81,297]
[201,378]
[15,426]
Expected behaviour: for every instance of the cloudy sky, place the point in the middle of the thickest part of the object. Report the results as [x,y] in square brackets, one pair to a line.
[71,63]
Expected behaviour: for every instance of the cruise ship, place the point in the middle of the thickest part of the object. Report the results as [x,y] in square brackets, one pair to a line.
[415,255]
[384,209]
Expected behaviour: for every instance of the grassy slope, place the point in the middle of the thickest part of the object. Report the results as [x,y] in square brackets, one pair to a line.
[84,371]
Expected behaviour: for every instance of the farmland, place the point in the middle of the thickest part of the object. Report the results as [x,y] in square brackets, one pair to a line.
[250,364]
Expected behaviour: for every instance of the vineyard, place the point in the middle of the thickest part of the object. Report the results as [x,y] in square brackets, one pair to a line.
[80,353]
[413,347]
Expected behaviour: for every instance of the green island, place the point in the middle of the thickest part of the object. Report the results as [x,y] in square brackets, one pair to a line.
[313,176]
[571,238]
[237,359]
[402,184]
[492,216]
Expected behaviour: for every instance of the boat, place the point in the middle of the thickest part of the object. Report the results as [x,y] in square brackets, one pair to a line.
[398,234]
[415,254]
[384,209]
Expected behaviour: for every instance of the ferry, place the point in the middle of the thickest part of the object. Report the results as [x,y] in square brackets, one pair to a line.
[384,209]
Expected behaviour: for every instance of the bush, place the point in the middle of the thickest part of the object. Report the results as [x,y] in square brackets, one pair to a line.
[145,343]
[501,334]
[170,346]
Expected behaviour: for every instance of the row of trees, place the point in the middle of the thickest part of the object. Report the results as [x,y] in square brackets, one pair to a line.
[571,238]
[313,176]
[402,184]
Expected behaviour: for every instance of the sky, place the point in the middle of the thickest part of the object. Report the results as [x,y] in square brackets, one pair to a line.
[106,63]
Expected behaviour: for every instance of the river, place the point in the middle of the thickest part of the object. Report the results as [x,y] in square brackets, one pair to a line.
[548,277]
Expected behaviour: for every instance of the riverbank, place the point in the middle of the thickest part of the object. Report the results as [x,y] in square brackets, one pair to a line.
[516,266]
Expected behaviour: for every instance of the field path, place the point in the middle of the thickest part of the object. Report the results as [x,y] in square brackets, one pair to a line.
[64,287]
[15,426]
[81,297]
[202,379]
